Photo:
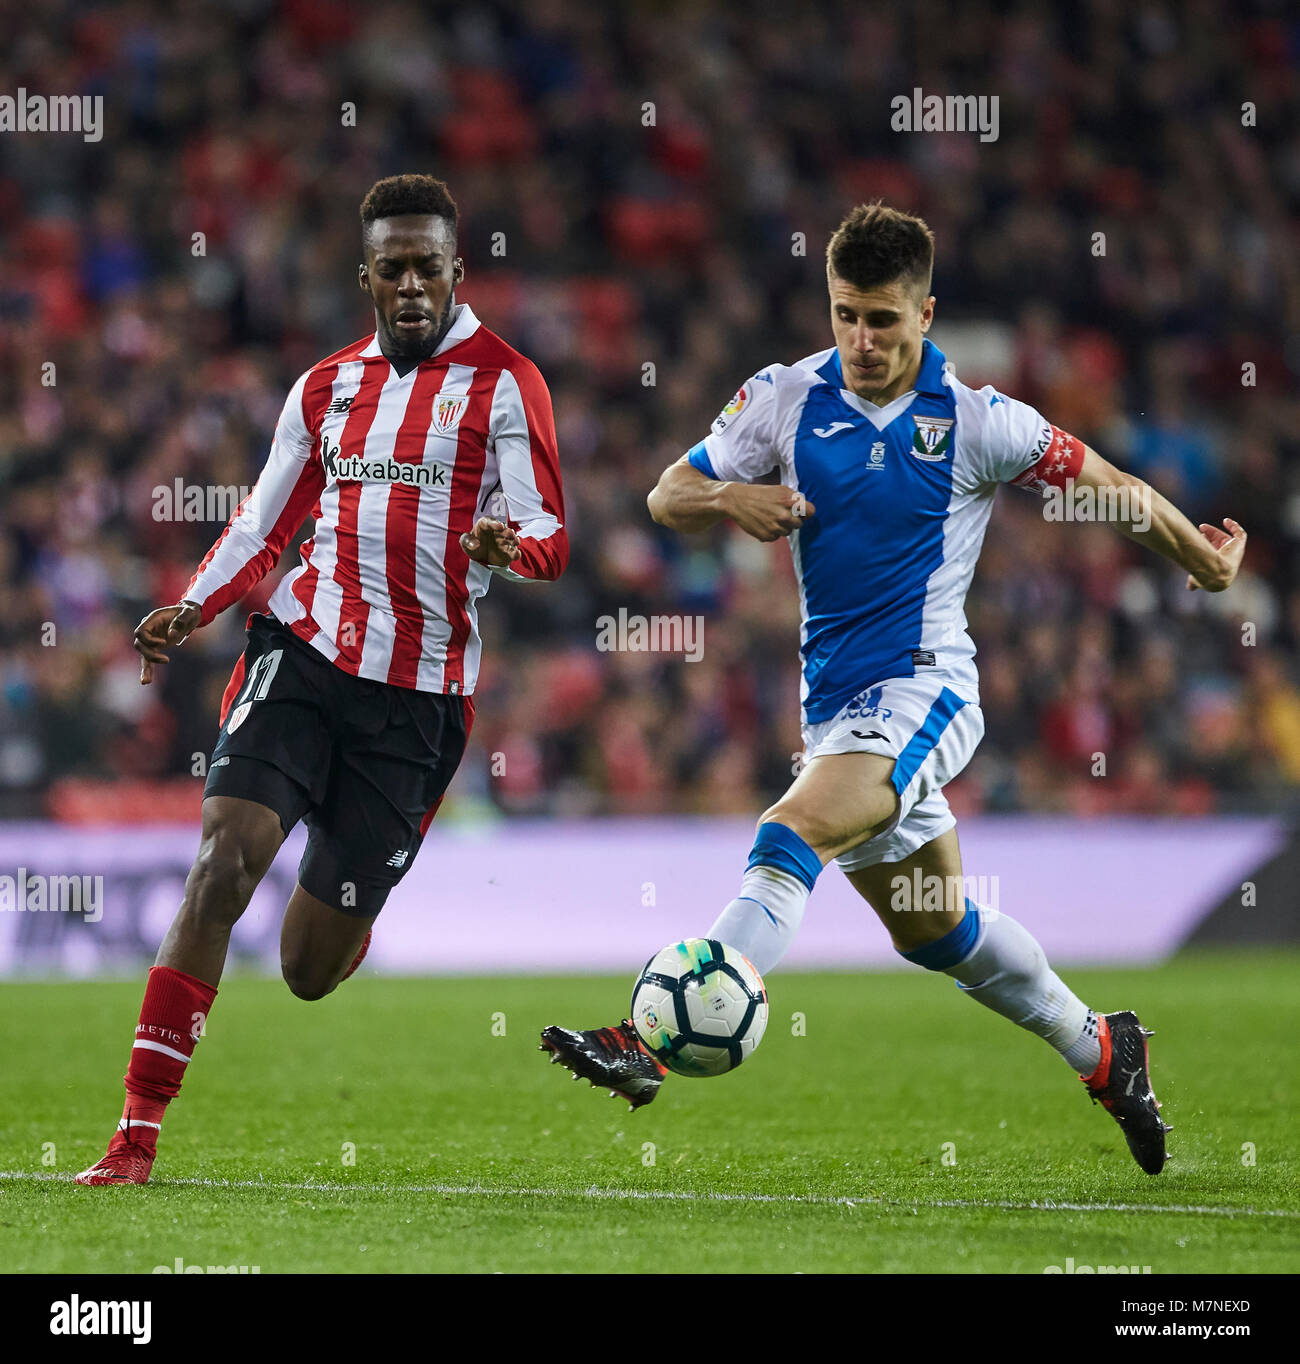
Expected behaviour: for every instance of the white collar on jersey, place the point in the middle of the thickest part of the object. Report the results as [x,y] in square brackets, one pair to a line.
[879,417]
[463,324]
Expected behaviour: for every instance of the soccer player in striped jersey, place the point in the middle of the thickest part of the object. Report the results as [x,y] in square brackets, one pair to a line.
[425,454]
[880,467]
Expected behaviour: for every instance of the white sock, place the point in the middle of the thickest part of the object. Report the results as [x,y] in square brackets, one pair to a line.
[1007,972]
[762,920]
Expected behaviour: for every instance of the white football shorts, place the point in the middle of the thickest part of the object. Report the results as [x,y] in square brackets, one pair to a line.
[930,729]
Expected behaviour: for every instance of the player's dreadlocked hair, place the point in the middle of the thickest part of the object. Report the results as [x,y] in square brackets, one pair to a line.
[876,245]
[400,194]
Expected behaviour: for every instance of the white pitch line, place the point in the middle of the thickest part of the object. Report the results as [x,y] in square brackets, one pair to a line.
[676,1196]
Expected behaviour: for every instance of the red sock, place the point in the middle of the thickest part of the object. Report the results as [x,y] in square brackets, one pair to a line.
[172,1018]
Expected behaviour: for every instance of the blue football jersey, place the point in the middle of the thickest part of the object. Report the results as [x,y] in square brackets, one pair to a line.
[902,495]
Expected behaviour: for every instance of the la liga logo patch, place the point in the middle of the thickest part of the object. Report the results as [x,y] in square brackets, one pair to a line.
[733,409]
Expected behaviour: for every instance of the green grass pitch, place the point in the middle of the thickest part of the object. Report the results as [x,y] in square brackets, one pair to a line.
[391,1127]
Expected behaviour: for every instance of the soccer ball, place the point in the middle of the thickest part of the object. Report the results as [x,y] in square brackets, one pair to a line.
[699,1007]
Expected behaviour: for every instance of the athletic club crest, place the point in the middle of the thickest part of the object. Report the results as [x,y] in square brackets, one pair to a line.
[448,410]
[932,438]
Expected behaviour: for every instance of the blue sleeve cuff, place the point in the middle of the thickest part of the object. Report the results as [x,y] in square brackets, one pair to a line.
[698,458]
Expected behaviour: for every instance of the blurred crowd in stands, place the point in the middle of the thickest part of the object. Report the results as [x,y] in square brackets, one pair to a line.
[646,192]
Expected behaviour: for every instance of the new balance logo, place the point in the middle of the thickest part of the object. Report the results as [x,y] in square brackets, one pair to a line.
[398,859]
[339,405]
[824,431]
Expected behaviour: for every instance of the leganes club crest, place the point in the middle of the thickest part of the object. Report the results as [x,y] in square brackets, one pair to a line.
[932,439]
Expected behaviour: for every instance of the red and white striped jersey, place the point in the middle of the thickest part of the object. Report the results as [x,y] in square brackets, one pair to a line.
[394,470]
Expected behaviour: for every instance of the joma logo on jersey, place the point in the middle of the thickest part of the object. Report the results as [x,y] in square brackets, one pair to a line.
[354,469]
[933,436]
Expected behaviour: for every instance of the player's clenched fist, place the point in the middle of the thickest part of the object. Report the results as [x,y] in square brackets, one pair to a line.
[166,626]
[491,542]
[764,510]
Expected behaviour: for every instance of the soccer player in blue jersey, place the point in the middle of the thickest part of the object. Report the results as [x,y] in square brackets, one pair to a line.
[880,467]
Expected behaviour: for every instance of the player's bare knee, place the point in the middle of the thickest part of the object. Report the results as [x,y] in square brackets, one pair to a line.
[305,980]
[816,833]
[911,928]
[223,877]
[827,837]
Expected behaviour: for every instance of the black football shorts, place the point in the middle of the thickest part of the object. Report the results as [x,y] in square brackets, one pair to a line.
[364,764]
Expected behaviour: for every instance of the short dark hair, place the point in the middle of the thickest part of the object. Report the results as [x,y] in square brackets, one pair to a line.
[876,245]
[401,194]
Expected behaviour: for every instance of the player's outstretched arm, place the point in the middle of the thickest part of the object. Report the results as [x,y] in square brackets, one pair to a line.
[1211,556]
[685,499]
